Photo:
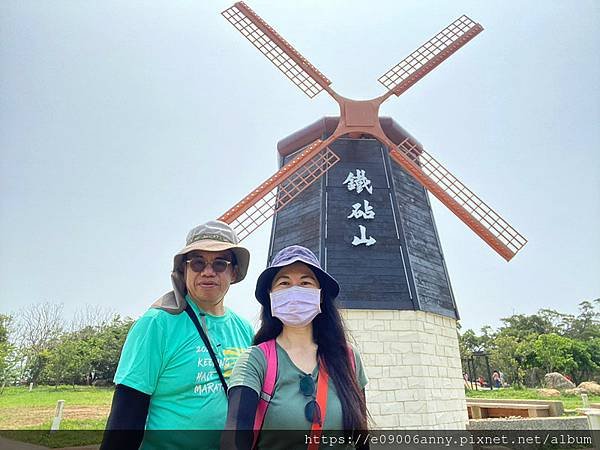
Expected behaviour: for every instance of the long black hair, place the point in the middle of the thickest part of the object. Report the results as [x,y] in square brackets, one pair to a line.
[332,348]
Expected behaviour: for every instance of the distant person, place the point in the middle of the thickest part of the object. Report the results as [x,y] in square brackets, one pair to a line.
[496,382]
[170,377]
[467,382]
[319,379]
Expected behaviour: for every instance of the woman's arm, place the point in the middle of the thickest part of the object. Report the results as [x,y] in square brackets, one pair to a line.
[127,420]
[239,433]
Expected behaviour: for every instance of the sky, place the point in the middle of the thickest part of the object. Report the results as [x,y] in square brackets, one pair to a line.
[125,124]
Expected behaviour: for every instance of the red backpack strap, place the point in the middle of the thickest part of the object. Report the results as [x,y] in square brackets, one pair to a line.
[322,390]
[269,349]
[352,359]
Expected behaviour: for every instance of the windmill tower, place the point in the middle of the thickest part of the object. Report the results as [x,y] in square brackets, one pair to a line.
[353,189]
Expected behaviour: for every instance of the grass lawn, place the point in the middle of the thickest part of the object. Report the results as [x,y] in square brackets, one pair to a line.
[569,401]
[85,407]
[49,395]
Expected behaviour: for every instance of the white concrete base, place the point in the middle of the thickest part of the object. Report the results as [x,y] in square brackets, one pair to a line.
[413,364]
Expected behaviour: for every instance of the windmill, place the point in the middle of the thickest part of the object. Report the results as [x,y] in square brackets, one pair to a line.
[360,137]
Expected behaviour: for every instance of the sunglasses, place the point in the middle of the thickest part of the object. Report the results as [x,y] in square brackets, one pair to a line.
[312,410]
[199,264]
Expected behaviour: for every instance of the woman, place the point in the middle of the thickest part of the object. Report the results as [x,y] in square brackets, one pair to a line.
[320,379]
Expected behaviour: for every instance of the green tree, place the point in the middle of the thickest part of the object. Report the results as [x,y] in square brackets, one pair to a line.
[587,358]
[526,347]
[560,323]
[87,354]
[109,342]
[67,362]
[39,326]
[7,351]
[587,323]
[522,326]
[468,343]
[514,357]
[555,353]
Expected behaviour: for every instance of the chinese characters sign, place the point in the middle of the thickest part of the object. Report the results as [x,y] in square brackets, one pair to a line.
[361,243]
[359,182]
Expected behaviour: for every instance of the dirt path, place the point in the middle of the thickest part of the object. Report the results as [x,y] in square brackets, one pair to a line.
[16,418]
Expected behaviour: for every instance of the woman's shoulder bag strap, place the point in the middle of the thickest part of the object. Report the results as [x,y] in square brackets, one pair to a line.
[269,349]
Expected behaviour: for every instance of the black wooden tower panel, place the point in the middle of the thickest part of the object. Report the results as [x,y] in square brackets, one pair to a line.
[397,262]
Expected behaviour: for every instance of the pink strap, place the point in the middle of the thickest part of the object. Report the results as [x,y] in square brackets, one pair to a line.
[269,349]
[352,360]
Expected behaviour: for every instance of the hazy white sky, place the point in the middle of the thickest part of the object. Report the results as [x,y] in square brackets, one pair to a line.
[124,124]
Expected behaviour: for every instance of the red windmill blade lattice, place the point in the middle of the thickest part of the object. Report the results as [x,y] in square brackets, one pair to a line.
[280,189]
[458,198]
[277,50]
[430,55]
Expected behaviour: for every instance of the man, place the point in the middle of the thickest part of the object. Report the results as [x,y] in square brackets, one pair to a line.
[167,378]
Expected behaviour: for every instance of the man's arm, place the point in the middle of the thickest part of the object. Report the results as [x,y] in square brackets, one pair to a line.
[127,419]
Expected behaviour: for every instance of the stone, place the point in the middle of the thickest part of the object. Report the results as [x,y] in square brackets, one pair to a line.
[575,391]
[555,380]
[548,392]
[591,387]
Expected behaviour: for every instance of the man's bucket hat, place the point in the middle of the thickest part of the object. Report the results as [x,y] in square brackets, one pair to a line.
[287,256]
[214,236]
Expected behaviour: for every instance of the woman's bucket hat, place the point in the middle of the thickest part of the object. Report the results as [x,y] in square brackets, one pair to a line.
[287,256]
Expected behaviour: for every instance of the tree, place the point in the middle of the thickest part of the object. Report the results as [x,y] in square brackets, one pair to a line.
[87,354]
[468,343]
[96,316]
[7,351]
[110,342]
[587,324]
[586,355]
[522,326]
[39,325]
[526,347]
[561,323]
[514,357]
[554,353]
[68,361]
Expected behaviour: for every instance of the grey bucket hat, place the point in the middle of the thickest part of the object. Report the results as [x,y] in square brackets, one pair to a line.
[212,236]
[287,256]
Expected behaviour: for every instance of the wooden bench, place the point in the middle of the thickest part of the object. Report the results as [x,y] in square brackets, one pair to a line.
[486,410]
[487,407]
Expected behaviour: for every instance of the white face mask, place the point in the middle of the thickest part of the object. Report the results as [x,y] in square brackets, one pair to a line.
[296,306]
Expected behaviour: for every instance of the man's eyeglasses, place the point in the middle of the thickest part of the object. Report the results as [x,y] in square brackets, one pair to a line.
[312,410]
[199,264]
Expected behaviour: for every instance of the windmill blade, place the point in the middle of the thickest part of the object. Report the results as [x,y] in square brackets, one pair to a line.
[473,211]
[279,190]
[429,55]
[277,50]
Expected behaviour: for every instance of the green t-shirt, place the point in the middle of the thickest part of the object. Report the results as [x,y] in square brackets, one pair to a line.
[286,410]
[165,357]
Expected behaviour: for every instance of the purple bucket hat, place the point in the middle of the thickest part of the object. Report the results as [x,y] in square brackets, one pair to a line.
[290,255]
